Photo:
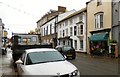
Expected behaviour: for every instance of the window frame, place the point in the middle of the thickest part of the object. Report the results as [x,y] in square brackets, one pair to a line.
[34,38]
[75,43]
[71,21]
[98,22]
[60,33]
[66,23]
[78,32]
[71,31]
[50,28]
[75,30]
[67,32]
[63,33]
[81,29]
[81,17]
[81,44]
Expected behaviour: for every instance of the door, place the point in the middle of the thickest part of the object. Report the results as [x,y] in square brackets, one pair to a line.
[20,67]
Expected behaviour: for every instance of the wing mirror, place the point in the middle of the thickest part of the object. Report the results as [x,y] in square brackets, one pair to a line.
[19,62]
[65,56]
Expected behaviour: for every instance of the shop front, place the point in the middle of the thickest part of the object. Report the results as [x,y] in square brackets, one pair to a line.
[99,42]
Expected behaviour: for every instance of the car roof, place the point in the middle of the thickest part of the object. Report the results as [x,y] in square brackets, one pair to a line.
[40,50]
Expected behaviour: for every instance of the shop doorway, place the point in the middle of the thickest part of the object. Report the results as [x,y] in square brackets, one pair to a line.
[99,48]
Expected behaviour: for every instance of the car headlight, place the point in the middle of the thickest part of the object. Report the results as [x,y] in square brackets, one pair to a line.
[75,73]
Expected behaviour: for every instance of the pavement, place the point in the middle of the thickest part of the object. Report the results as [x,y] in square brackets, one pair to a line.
[6,67]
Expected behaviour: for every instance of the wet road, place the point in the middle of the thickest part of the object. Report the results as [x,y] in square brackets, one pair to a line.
[6,67]
[96,65]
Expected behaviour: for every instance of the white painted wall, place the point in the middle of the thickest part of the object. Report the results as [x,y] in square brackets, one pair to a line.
[75,20]
[60,17]
[48,24]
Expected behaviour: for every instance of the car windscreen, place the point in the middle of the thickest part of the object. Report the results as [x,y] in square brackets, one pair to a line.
[43,57]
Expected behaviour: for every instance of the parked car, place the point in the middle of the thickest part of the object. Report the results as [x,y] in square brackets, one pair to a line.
[69,51]
[45,61]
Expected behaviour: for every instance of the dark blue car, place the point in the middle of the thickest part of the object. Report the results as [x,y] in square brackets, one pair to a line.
[67,50]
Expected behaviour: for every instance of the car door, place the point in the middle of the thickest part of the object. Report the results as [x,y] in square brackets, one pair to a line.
[21,66]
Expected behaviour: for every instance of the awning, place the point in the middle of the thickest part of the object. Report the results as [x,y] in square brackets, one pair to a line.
[99,37]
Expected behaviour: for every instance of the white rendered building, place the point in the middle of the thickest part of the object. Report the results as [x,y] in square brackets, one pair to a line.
[72,30]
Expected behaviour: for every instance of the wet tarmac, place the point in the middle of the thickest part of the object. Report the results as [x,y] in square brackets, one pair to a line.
[6,67]
[96,65]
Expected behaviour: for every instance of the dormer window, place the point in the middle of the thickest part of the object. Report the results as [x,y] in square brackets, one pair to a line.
[99,2]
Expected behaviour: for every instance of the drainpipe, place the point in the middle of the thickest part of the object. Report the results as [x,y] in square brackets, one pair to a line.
[87,39]
[119,27]
[55,36]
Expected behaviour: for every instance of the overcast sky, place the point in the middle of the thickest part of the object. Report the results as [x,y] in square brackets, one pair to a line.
[20,16]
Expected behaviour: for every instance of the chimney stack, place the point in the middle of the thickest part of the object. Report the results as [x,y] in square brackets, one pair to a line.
[61,9]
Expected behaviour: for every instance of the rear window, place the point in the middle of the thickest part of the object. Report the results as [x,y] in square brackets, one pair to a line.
[67,48]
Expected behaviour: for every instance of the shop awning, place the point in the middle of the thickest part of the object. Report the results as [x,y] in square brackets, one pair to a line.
[99,37]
